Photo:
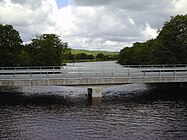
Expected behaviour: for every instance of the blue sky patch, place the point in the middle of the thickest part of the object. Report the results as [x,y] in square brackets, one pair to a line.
[62,3]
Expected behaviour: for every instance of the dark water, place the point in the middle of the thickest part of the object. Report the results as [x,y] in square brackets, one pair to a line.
[141,119]
[131,112]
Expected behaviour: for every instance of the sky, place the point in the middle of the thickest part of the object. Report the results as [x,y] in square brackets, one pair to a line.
[107,25]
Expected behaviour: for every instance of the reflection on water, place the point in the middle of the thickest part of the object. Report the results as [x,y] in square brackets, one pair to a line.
[143,119]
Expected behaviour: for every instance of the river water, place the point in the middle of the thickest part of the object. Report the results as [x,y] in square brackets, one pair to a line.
[125,112]
[159,119]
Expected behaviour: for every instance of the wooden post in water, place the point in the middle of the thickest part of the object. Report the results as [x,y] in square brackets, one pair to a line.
[90,90]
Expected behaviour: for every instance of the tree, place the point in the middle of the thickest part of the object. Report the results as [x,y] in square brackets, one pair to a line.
[172,40]
[10,46]
[169,47]
[47,50]
[66,52]
[69,56]
[80,56]
[126,56]
[100,56]
[24,57]
[90,57]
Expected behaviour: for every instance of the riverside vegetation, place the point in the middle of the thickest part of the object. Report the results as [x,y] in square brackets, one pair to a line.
[170,46]
[43,50]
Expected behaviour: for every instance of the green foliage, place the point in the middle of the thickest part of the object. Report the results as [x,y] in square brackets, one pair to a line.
[10,46]
[125,56]
[169,47]
[101,57]
[139,53]
[83,56]
[80,55]
[44,50]
[47,50]
[172,40]
[94,53]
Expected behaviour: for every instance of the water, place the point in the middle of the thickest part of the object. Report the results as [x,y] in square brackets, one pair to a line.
[64,113]
[124,112]
[156,119]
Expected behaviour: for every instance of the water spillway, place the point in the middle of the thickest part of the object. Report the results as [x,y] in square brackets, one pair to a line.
[126,92]
[76,95]
[42,94]
[61,94]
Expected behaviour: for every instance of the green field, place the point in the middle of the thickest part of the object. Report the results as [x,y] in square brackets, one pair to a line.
[76,51]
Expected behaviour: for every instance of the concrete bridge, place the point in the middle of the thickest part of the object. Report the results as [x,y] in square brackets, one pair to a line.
[99,73]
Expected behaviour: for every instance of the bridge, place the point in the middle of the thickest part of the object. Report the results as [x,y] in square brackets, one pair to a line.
[101,73]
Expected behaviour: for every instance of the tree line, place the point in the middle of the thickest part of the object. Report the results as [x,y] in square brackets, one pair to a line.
[169,47]
[90,57]
[43,50]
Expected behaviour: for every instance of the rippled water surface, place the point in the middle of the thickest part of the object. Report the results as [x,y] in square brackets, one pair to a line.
[159,119]
[131,112]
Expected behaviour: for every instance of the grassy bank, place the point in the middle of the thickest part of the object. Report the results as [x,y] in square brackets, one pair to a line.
[94,53]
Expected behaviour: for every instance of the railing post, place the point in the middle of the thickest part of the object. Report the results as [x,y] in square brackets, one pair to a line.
[40,70]
[64,76]
[30,74]
[28,71]
[103,69]
[174,71]
[2,71]
[14,73]
[160,73]
[163,69]
[79,73]
[151,71]
[91,69]
[128,72]
[142,69]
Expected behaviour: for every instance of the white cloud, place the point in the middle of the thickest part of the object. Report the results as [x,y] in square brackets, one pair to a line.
[91,24]
[180,6]
[131,21]
[149,32]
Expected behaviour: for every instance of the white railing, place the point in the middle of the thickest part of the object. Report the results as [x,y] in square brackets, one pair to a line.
[94,72]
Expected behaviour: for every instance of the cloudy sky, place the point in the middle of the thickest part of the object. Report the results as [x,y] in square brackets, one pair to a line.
[108,25]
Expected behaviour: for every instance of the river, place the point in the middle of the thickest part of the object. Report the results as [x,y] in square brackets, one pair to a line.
[121,114]
[160,119]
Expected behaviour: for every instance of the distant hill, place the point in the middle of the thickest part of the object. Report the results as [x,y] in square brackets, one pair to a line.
[88,52]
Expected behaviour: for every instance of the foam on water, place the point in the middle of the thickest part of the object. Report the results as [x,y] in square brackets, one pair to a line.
[122,92]
[126,92]
[43,94]
[61,94]
[53,90]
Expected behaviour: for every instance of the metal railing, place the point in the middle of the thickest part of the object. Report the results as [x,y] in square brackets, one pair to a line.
[96,72]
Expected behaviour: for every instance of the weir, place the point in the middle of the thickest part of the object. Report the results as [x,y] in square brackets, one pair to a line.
[92,94]
[134,91]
